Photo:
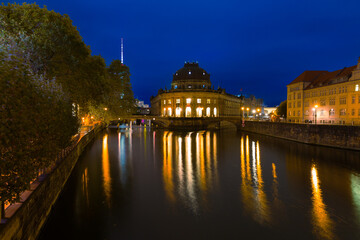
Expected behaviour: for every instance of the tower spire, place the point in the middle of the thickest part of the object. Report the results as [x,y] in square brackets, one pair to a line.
[122,51]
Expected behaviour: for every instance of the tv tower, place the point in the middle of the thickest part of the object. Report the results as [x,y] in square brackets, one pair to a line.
[122,51]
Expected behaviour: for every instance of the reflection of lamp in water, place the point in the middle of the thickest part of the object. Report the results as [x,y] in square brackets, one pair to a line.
[322,221]
[106,169]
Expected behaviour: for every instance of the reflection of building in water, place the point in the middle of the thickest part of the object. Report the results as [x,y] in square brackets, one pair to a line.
[252,187]
[322,222]
[189,172]
[106,169]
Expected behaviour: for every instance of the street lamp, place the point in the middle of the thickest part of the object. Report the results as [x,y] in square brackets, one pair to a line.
[242,109]
[315,114]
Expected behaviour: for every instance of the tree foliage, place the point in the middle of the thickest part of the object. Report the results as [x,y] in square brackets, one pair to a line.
[45,68]
[281,110]
[36,122]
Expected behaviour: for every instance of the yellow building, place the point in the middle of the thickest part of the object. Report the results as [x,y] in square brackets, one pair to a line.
[325,97]
[191,95]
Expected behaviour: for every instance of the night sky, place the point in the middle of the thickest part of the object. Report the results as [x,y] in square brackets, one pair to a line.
[258,46]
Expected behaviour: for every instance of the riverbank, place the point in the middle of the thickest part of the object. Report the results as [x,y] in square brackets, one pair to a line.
[340,136]
[28,216]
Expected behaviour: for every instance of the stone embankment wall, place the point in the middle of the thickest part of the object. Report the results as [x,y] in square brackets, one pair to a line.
[28,220]
[327,135]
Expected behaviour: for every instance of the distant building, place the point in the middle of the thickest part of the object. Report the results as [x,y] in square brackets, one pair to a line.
[253,107]
[142,109]
[192,95]
[330,97]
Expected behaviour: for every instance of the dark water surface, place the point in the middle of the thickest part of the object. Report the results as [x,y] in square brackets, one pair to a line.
[143,184]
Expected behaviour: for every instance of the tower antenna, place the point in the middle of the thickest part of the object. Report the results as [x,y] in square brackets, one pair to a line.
[122,51]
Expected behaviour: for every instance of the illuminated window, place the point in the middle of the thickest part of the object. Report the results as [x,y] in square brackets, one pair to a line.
[178,112]
[322,112]
[208,101]
[169,101]
[164,113]
[307,113]
[199,111]
[188,100]
[169,112]
[331,112]
[215,112]
[199,100]
[164,101]
[178,100]
[356,87]
[188,112]
[342,112]
[208,111]
[215,101]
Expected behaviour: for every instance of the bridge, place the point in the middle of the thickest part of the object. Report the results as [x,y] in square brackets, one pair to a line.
[188,123]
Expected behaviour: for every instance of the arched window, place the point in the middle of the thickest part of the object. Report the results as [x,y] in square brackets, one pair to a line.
[164,113]
[215,112]
[178,112]
[199,111]
[169,112]
[188,112]
[208,112]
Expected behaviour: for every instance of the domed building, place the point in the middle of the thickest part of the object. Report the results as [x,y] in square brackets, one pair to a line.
[193,96]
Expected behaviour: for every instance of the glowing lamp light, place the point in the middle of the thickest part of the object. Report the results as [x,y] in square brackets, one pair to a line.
[242,108]
[247,109]
[105,109]
[253,111]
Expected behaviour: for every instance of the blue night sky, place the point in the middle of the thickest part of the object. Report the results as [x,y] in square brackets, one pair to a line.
[259,46]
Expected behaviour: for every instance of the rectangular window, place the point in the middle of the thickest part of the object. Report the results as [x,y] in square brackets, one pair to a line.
[352,112]
[298,104]
[164,101]
[208,101]
[322,102]
[306,103]
[188,100]
[289,113]
[332,101]
[298,113]
[169,101]
[332,112]
[294,105]
[342,112]
[356,87]
[199,100]
[299,95]
[215,101]
[342,100]
[289,105]
[353,99]
[307,113]
[178,100]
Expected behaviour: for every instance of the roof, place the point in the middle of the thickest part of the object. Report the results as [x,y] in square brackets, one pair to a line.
[323,78]
[191,71]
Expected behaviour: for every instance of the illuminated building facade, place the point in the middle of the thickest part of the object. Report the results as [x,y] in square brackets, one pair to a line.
[192,96]
[325,97]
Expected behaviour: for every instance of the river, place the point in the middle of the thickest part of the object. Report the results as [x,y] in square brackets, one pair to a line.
[145,184]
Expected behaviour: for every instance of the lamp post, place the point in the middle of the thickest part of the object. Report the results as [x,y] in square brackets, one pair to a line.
[247,109]
[242,120]
[315,113]
[258,110]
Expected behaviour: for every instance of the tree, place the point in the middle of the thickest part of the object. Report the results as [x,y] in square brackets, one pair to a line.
[48,43]
[120,98]
[36,122]
[281,110]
